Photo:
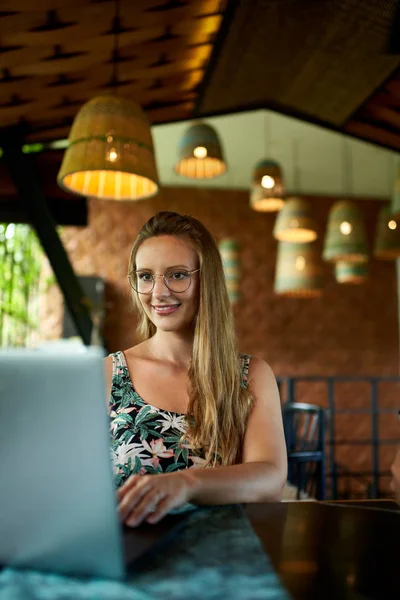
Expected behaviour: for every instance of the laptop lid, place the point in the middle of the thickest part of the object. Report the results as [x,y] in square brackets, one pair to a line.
[57,498]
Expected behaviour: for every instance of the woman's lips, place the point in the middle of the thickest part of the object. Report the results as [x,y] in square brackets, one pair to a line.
[165,309]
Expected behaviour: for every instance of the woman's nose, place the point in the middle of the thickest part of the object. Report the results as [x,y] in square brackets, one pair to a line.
[160,289]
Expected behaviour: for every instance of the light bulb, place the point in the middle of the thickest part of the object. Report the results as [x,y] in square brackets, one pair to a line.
[392,224]
[112,155]
[267,182]
[346,228]
[200,152]
[300,263]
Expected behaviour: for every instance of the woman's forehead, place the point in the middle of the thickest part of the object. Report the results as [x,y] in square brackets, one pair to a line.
[165,251]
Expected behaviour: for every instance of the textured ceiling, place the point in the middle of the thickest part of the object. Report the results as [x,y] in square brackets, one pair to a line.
[319,60]
[57,54]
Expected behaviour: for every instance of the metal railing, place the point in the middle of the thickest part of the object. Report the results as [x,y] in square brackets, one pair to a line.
[369,479]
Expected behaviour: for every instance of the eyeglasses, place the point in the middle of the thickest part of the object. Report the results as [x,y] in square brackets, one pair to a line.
[177,281]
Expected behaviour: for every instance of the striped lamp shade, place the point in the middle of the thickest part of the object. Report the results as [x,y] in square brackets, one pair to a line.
[298,271]
[110,153]
[295,222]
[355,273]
[267,188]
[387,241]
[345,238]
[200,153]
[229,250]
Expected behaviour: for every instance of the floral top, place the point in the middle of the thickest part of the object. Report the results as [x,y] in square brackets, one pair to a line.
[146,439]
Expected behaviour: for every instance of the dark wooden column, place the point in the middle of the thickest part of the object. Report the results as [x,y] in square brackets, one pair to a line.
[25,178]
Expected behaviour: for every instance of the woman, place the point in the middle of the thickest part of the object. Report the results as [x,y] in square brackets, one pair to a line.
[184,397]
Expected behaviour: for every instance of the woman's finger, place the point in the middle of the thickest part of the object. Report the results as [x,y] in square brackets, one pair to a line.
[129,484]
[161,511]
[148,505]
[132,498]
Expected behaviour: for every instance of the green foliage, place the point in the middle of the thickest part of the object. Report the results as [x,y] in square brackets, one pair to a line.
[20,267]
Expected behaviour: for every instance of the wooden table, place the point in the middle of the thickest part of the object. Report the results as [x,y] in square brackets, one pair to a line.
[332,551]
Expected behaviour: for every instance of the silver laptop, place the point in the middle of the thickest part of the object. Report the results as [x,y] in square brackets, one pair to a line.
[57,498]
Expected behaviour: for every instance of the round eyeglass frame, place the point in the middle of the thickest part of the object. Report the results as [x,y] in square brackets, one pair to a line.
[163,275]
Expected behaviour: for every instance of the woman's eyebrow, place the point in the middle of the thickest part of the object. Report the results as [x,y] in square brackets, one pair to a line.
[166,269]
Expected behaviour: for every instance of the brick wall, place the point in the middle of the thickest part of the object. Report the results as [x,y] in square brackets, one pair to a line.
[350,330]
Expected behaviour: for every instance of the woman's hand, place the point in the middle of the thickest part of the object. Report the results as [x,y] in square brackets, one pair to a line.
[395,485]
[151,497]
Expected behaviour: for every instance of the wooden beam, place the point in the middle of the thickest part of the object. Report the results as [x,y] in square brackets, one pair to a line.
[26,181]
[73,213]
[383,113]
[374,134]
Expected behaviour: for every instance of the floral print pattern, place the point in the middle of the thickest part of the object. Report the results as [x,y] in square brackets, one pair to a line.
[146,439]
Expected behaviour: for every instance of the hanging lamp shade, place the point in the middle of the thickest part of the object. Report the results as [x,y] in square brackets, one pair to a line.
[295,222]
[345,238]
[346,272]
[395,209]
[387,241]
[298,271]
[229,250]
[267,188]
[200,153]
[110,153]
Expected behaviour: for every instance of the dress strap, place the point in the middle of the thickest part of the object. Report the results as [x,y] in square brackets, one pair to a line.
[244,368]
[118,362]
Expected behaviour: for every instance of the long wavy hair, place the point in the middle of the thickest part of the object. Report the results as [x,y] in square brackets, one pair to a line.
[219,405]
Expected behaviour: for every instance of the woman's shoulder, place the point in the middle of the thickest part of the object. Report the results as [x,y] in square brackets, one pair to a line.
[257,368]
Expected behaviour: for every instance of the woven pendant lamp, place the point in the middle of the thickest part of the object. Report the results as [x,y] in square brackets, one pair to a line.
[298,271]
[387,241]
[229,250]
[267,188]
[200,153]
[110,153]
[355,273]
[345,238]
[295,222]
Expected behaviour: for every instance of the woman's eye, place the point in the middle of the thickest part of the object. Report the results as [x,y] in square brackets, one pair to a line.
[145,276]
[178,275]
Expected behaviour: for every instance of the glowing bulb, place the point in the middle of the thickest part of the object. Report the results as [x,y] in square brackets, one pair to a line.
[346,228]
[267,182]
[112,155]
[200,152]
[300,263]
[392,224]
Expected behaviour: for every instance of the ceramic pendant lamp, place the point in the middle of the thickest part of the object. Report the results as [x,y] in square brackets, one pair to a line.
[229,250]
[200,153]
[298,271]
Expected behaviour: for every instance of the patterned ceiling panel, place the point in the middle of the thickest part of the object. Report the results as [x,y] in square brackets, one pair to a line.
[57,54]
[319,60]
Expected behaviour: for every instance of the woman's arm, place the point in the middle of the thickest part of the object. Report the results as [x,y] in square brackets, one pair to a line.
[259,478]
[262,474]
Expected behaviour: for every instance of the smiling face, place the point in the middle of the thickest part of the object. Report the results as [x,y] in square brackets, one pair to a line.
[169,310]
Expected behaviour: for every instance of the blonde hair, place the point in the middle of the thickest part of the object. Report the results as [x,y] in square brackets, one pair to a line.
[219,404]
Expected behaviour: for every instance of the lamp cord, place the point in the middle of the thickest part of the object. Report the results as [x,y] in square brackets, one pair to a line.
[267,133]
[347,168]
[296,170]
[115,58]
